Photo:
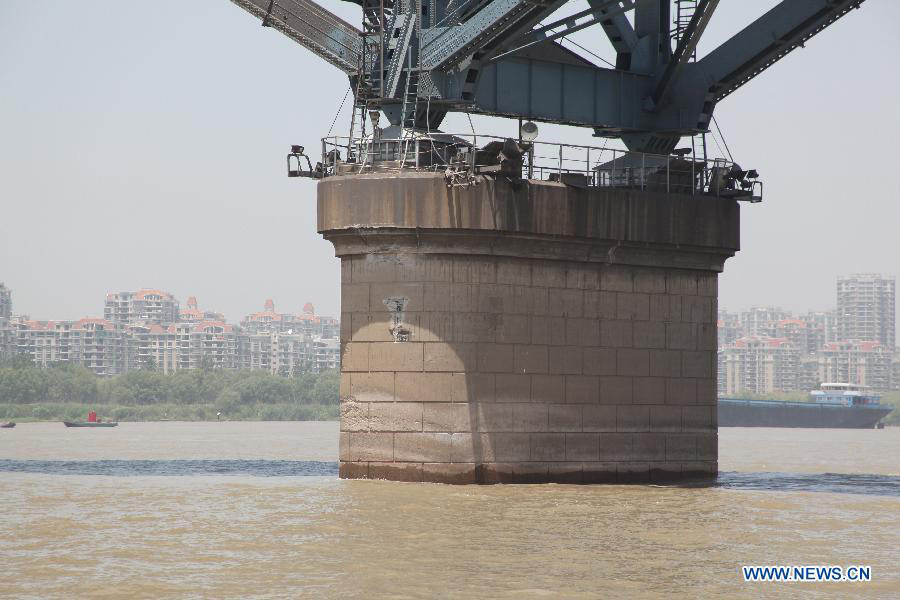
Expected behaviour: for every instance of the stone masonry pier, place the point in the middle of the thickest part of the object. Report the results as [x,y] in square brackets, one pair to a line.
[525,332]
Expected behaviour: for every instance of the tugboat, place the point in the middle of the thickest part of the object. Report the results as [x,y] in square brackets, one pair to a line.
[92,421]
[833,405]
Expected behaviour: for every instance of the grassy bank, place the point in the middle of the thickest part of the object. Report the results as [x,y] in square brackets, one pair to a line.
[23,413]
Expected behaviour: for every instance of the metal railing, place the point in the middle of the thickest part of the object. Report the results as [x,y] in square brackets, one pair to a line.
[463,157]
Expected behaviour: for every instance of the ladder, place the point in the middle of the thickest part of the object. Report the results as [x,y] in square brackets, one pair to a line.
[409,109]
[684,12]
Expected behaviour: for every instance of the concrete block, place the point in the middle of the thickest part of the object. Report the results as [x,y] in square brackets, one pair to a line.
[548,331]
[529,417]
[548,446]
[344,446]
[707,393]
[370,327]
[633,307]
[696,364]
[616,390]
[582,389]
[514,329]
[632,472]
[447,417]
[346,327]
[494,417]
[564,417]
[649,390]
[649,334]
[513,447]
[650,281]
[354,416]
[431,327]
[530,472]
[598,472]
[537,300]
[354,297]
[707,336]
[474,327]
[698,470]
[464,298]
[707,446]
[682,282]
[494,473]
[346,270]
[681,336]
[395,416]
[373,267]
[549,389]
[660,309]
[371,446]
[633,362]
[512,388]
[583,277]
[681,446]
[372,387]
[697,419]
[600,305]
[598,417]
[436,297]
[565,473]
[616,446]
[681,391]
[479,387]
[582,332]
[427,267]
[484,446]
[548,274]
[665,418]
[458,474]
[697,309]
[708,284]
[495,358]
[665,363]
[410,293]
[616,278]
[514,272]
[493,298]
[354,356]
[616,334]
[430,387]
[395,356]
[582,446]
[409,472]
[474,269]
[422,447]
[599,361]
[565,303]
[665,471]
[353,470]
[531,359]
[462,447]
[566,360]
[345,386]
[633,418]
[457,357]
[649,446]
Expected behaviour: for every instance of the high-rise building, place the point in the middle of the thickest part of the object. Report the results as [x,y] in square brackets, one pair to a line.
[758,366]
[861,363]
[6,333]
[5,302]
[93,343]
[760,321]
[866,309]
[151,307]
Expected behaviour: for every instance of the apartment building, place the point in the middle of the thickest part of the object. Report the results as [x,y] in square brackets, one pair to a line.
[760,321]
[860,362]
[758,365]
[96,344]
[192,314]
[6,332]
[152,307]
[866,308]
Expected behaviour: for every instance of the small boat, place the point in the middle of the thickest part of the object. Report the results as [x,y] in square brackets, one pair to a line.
[9,425]
[90,423]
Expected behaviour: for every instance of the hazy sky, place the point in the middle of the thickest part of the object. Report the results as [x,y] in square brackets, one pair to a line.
[142,145]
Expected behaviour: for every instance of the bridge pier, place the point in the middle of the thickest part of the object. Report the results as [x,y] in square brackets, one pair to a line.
[525,331]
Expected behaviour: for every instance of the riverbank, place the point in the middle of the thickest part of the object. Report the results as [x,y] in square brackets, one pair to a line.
[71,411]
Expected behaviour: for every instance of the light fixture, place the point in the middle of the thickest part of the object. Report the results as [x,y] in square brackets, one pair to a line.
[528,131]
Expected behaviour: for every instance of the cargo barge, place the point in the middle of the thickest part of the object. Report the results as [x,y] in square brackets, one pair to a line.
[834,405]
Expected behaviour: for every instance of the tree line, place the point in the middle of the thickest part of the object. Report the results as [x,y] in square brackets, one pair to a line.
[23,383]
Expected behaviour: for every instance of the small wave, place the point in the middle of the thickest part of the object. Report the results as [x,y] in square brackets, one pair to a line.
[126,468]
[838,483]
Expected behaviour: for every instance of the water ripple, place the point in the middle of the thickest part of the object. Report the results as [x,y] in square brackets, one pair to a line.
[125,468]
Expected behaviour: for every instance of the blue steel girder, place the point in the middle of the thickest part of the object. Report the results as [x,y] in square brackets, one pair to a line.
[479,56]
